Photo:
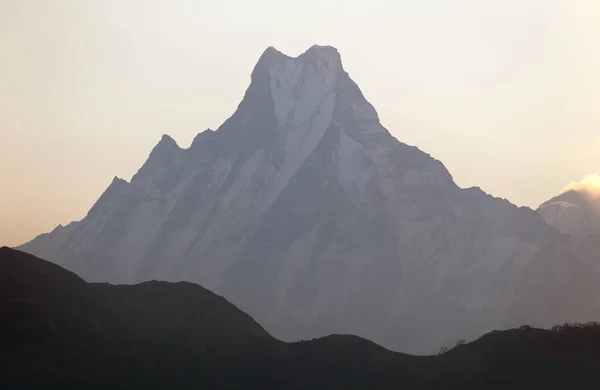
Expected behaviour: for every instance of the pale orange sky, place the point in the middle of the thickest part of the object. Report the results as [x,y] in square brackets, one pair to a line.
[506,93]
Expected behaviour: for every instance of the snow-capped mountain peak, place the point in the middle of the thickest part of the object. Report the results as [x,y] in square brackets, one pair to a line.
[574,212]
[304,211]
[300,86]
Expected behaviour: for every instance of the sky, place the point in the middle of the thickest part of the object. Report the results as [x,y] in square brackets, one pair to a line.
[505,92]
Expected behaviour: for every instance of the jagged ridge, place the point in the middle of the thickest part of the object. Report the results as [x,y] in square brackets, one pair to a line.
[303,210]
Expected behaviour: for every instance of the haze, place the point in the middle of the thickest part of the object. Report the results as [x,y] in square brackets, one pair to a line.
[505,93]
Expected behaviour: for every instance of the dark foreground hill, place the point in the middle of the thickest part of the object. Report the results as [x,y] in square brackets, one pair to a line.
[57,331]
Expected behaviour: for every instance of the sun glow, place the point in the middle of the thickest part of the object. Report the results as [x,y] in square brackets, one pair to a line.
[590,184]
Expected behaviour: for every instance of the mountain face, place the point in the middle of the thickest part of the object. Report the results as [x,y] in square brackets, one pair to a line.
[573,212]
[57,332]
[304,211]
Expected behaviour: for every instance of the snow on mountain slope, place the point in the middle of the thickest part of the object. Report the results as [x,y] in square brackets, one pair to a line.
[573,212]
[304,211]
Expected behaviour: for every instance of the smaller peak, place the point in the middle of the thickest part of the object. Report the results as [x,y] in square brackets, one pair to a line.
[270,56]
[574,197]
[117,184]
[474,188]
[167,139]
[61,227]
[118,180]
[322,50]
[199,137]
[166,143]
[271,50]
[323,54]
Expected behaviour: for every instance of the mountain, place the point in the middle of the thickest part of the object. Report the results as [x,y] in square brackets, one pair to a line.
[573,212]
[57,331]
[304,211]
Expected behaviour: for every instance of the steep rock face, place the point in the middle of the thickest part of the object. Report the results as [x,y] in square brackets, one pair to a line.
[303,210]
[573,212]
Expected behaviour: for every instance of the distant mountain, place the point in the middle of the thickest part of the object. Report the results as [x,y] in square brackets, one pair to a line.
[57,331]
[304,211]
[573,212]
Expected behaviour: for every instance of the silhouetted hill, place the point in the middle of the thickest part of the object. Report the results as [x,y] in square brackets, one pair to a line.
[55,326]
[57,331]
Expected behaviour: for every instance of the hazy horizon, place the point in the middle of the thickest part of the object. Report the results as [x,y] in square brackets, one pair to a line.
[504,93]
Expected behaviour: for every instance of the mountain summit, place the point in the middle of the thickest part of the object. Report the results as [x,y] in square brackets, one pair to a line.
[303,210]
[573,212]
